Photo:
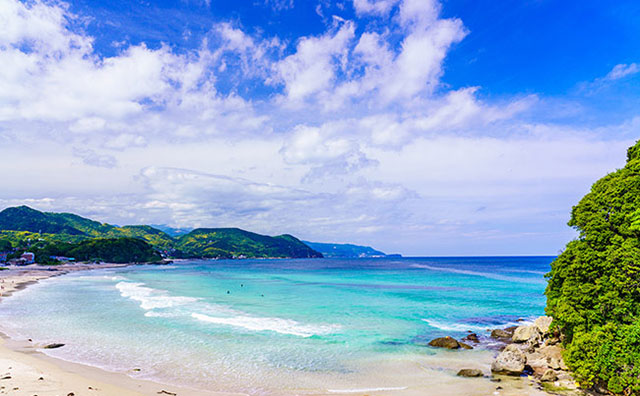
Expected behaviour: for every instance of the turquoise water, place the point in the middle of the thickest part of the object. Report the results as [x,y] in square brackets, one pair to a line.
[276,326]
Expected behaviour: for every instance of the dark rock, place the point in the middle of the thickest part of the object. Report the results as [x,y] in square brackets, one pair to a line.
[445,342]
[500,334]
[469,373]
[473,337]
[53,346]
[464,346]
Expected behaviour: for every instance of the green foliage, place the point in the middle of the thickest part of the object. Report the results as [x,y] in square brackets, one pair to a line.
[234,242]
[5,245]
[155,237]
[23,218]
[593,292]
[115,250]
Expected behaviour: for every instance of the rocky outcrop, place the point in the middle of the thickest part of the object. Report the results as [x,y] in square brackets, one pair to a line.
[543,324]
[536,351]
[501,334]
[526,334]
[448,343]
[511,361]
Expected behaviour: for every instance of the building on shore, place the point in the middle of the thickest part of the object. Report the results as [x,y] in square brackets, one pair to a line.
[28,257]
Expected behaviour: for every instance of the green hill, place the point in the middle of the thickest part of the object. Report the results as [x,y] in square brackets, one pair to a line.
[234,242]
[593,292]
[23,218]
[30,229]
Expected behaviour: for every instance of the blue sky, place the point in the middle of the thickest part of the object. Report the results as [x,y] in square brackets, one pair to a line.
[417,126]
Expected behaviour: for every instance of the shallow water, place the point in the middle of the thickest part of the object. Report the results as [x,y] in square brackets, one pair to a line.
[283,326]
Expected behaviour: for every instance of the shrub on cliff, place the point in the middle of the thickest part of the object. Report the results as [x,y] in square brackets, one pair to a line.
[594,285]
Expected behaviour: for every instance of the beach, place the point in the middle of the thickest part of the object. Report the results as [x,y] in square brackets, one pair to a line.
[25,370]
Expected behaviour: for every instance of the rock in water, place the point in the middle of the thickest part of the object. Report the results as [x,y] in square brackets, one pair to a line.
[464,346]
[500,334]
[543,323]
[510,361]
[470,373]
[473,337]
[444,342]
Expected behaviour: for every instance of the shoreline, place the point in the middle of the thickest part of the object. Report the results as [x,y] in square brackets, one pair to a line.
[25,363]
[26,370]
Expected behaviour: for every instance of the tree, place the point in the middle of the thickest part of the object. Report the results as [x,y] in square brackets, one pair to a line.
[593,292]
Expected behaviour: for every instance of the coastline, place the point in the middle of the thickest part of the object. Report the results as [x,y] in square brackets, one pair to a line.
[25,370]
[25,364]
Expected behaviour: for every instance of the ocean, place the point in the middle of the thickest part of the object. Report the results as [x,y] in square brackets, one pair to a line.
[294,326]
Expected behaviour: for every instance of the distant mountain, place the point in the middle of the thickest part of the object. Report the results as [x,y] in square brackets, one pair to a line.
[174,232]
[27,228]
[345,250]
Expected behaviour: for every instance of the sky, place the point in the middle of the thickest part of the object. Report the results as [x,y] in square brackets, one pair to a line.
[421,127]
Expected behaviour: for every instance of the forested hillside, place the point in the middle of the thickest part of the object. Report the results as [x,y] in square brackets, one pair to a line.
[594,285]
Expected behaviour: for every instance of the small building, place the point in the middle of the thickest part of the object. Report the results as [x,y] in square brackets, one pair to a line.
[17,261]
[28,257]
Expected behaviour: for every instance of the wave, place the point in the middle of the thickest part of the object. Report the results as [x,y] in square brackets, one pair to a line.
[361,390]
[151,298]
[487,275]
[278,325]
[461,327]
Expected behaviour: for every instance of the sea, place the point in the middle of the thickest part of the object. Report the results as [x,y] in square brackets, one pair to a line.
[285,326]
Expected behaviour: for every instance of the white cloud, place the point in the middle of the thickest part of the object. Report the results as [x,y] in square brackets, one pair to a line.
[380,7]
[313,67]
[622,70]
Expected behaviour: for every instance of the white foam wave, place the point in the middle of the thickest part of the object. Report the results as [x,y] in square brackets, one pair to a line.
[151,298]
[460,327]
[361,390]
[156,314]
[278,325]
[454,326]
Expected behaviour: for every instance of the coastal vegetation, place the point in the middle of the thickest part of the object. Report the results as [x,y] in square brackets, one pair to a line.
[234,242]
[593,292]
[65,234]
